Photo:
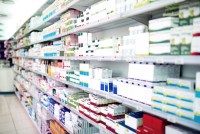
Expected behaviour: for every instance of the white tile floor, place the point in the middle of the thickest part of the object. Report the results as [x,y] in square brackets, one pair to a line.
[13,117]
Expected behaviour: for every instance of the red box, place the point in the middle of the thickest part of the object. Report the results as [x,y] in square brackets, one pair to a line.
[153,123]
[159,125]
[147,130]
[148,120]
[140,130]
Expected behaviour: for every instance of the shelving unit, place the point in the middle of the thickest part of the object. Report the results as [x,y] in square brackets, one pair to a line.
[142,15]
[128,102]
[65,105]
[107,23]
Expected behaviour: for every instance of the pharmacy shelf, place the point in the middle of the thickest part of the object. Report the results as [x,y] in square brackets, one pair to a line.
[179,60]
[29,91]
[79,4]
[130,103]
[112,21]
[28,114]
[57,121]
[72,109]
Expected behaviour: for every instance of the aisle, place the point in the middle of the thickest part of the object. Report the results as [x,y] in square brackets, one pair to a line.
[13,119]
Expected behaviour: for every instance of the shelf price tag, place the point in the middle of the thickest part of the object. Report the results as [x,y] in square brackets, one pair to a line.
[139,108]
[160,60]
[113,58]
[128,59]
[107,96]
[171,118]
[179,61]
[99,58]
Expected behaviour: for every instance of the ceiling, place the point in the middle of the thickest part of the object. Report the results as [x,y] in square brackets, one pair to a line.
[12,15]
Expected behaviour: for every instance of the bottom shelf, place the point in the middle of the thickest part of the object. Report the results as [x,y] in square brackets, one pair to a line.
[17,94]
[57,120]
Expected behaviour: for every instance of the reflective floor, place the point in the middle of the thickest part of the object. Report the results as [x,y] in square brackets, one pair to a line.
[13,117]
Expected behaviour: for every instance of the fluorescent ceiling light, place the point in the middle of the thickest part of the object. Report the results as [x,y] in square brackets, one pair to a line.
[3,15]
[7,1]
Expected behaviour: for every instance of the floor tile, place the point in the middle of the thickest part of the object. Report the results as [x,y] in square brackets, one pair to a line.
[5,119]
[22,124]
[27,131]
[13,117]
[20,116]
[9,132]
[4,127]
[4,110]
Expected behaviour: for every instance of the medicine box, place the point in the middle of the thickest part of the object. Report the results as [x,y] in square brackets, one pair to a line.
[134,91]
[186,40]
[194,11]
[122,128]
[134,120]
[185,114]
[187,84]
[197,94]
[184,14]
[175,41]
[197,110]
[107,85]
[155,124]
[162,24]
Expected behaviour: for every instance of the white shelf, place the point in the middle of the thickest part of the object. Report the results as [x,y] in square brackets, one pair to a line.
[72,109]
[130,103]
[56,16]
[180,60]
[108,22]
[28,90]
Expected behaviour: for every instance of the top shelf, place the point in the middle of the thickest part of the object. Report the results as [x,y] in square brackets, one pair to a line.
[38,12]
[109,22]
[77,4]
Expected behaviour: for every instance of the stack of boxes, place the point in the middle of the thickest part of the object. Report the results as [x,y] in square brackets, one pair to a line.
[102,111]
[116,113]
[177,98]
[159,36]
[100,79]
[142,78]
[56,128]
[84,74]
[130,124]
[136,43]
[73,99]
[108,46]
[152,125]
[35,36]
[63,118]
[52,50]
[69,20]
[78,125]
[52,30]
[85,42]
[70,44]
[72,121]
[197,99]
